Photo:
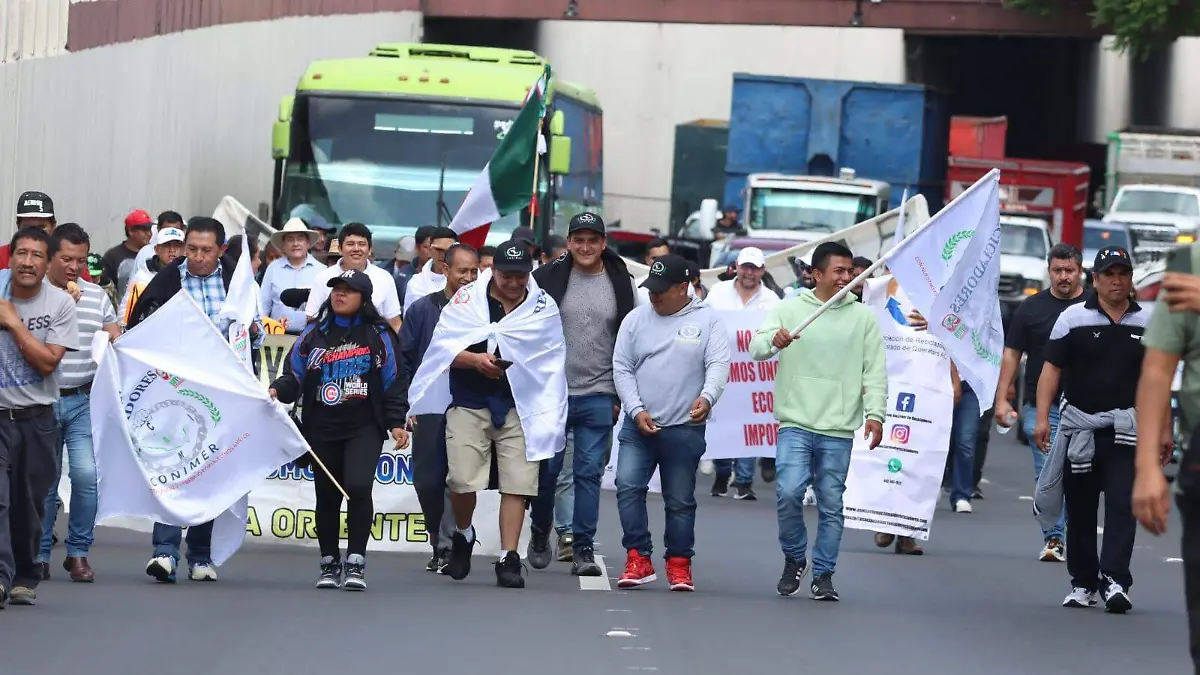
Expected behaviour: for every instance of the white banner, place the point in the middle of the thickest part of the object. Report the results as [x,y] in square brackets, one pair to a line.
[895,487]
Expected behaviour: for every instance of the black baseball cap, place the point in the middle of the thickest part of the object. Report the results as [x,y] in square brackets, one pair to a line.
[586,221]
[524,235]
[357,281]
[35,205]
[513,256]
[669,270]
[1111,257]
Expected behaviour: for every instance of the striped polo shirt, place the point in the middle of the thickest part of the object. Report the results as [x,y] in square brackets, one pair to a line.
[92,312]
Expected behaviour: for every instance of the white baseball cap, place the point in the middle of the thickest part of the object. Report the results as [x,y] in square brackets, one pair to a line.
[751,256]
[168,234]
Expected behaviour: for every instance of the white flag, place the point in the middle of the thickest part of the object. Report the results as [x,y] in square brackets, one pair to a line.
[183,431]
[950,269]
[241,305]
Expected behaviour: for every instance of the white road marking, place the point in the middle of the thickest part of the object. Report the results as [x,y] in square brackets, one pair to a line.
[1025,498]
[600,583]
[618,633]
[1099,530]
[1173,560]
[648,668]
[618,610]
[630,648]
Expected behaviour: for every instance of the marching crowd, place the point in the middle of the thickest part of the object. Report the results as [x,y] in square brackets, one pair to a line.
[519,327]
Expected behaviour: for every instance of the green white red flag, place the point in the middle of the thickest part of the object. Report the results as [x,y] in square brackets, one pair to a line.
[506,184]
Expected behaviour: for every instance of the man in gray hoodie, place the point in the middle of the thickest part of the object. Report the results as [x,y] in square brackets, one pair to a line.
[682,340]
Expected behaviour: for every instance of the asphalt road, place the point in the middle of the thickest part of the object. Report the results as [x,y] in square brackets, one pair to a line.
[977,602]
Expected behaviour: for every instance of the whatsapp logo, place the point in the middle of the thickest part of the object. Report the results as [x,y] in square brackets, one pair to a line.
[894,465]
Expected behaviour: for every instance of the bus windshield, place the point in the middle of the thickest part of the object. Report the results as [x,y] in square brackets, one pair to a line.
[381,162]
[807,211]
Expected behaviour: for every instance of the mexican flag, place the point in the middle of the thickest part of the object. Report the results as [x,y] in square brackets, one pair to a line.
[506,184]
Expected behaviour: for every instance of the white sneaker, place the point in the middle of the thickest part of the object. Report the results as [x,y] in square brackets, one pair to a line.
[1080,597]
[162,568]
[1053,551]
[707,467]
[810,497]
[962,506]
[1116,598]
[202,572]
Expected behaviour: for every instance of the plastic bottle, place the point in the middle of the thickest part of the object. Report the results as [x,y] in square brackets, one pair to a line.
[1012,419]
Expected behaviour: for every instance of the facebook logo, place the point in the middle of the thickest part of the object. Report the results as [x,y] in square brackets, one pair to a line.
[906,402]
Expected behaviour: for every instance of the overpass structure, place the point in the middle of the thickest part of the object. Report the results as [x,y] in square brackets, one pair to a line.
[95,23]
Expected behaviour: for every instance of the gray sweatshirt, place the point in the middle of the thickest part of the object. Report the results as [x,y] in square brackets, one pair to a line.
[662,364]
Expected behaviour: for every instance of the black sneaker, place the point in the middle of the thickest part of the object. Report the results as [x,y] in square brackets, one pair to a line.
[720,486]
[459,565]
[508,571]
[822,588]
[434,563]
[744,492]
[539,552]
[443,557]
[3,597]
[355,568]
[793,572]
[585,564]
[768,469]
[976,493]
[331,573]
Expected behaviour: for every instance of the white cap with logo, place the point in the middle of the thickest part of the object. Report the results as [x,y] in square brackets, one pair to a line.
[751,256]
[167,234]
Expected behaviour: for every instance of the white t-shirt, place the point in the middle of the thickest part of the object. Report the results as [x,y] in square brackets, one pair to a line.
[724,295]
[383,291]
[422,284]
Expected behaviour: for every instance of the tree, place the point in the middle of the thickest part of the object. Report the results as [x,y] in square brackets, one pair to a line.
[1141,27]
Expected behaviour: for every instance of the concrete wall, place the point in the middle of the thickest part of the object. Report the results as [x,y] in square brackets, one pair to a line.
[32,28]
[651,77]
[1184,102]
[1105,92]
[173,122]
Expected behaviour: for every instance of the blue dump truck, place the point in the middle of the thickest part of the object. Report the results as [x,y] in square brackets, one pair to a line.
[810,157]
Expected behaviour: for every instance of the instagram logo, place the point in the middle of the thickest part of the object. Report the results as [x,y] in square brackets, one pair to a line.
[900,433]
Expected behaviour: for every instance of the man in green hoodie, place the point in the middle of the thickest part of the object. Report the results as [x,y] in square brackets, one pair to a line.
[828,378]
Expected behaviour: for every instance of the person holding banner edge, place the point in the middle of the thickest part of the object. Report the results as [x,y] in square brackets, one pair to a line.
[345,366]
[820,403]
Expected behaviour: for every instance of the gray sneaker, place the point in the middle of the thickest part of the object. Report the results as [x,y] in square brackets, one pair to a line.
[566,547]
[585,564]
[538,553]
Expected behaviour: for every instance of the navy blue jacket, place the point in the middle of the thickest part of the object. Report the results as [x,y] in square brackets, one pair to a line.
[417,330]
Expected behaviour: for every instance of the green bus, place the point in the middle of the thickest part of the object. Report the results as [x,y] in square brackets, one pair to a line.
[395,140]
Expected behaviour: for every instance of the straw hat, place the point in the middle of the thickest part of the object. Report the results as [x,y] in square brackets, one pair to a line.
[294,225]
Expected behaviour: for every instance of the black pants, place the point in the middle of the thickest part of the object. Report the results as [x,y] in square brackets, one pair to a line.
[429,468]
[1112,474]
[27,470]
[352,462]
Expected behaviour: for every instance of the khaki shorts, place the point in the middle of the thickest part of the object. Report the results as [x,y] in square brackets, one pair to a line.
[470,436]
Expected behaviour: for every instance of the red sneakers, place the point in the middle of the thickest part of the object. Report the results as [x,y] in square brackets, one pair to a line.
[679,574]
[639,571]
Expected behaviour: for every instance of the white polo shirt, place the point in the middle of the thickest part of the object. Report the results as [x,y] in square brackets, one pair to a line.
[383,291]
[724,295]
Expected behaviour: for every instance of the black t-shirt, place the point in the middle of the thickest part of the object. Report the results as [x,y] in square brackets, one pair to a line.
[1100,359]
[111,262]
[341,409]
[471,389]
[1029,330]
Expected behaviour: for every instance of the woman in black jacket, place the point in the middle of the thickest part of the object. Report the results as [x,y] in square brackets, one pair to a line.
[345,368]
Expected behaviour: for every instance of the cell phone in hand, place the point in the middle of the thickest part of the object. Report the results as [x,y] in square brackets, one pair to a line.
[502,364]
[1179,260]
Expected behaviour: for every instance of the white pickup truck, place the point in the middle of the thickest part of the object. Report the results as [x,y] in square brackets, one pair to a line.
[1154,180]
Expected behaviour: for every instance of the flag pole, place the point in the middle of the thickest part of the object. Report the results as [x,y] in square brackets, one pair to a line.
[328,475]
[533,200]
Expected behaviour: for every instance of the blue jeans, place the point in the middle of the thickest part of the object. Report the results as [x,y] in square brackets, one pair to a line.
[963,433]
[741,469]
[1028,421]
[676,452]
[805,458]
[167,539]
[590,420]
[564,490]
[74,418]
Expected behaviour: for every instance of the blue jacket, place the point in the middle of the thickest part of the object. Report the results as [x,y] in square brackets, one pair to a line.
[417,330]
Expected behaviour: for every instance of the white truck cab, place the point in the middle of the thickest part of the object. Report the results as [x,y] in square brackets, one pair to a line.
[1024,247]
[1161,216]
[1154,185]
[805,208]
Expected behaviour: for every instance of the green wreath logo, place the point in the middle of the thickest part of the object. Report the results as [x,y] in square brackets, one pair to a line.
[953,242]
[213,412]
[982,351]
